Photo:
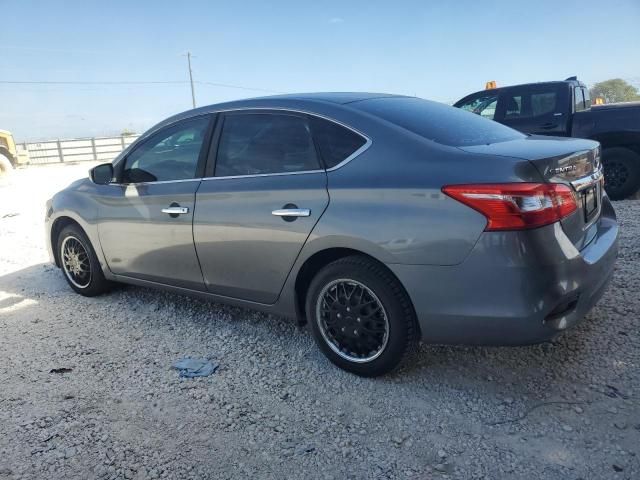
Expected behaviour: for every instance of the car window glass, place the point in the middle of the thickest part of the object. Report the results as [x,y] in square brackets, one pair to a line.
[579,99]
[171,154]
[336,143]
[438,122]
[514,106]
[483,105]
[259,143]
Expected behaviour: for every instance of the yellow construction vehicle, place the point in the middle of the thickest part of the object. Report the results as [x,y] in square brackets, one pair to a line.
[10,156]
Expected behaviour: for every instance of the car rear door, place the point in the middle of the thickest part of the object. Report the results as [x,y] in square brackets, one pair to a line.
[264,193]
[146,216]
[538,109]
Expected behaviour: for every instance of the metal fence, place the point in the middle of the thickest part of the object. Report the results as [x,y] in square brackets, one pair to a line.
[97,149]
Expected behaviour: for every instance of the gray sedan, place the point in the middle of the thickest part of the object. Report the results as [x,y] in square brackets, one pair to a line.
[380,220]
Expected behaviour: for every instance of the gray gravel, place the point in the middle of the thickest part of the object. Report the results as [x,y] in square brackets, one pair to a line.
[276,408]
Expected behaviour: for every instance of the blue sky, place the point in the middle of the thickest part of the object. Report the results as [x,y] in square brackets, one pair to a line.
[434,49]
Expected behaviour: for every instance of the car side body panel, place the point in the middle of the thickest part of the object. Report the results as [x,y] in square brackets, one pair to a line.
[76,203]
[245,250]
[158,247]
[466,285]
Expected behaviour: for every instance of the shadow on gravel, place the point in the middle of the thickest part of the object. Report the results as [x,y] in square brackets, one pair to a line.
[459,365]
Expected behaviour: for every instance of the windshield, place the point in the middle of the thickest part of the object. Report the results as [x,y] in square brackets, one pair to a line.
[438,122]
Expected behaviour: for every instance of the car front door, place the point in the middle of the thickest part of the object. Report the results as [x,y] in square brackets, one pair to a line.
[537,109]
[265,192]
[147,214]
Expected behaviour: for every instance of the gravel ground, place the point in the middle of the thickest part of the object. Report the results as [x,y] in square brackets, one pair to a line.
[276,408]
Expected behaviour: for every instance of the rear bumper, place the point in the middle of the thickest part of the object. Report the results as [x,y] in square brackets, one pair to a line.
[514,288]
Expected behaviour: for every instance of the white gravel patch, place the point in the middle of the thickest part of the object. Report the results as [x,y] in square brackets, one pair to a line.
[276,408]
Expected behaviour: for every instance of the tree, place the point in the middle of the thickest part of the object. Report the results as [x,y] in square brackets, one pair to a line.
[615,90]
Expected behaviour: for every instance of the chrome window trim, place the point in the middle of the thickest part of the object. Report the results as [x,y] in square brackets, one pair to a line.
[255,175]
[358,152]
[156,182]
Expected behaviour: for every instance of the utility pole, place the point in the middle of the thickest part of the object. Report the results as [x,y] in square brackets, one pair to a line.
[193,94]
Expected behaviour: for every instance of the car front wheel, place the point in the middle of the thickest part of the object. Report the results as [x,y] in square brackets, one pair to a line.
[79,262]
[360,315]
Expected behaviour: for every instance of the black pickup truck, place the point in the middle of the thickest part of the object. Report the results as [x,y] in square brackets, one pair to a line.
[563,108]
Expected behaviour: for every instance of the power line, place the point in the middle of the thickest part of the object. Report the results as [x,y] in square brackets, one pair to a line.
[240,87]
[167,82]
[47,82]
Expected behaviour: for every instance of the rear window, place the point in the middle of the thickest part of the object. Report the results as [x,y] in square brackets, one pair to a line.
[438,122]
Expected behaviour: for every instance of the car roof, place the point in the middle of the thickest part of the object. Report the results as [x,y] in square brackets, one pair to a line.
[341,98]
[293,101]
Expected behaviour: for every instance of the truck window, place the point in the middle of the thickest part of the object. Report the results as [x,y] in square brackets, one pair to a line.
[579,99]
[530,102]
[483,105]
[514,106]
[587,97]
[542,103]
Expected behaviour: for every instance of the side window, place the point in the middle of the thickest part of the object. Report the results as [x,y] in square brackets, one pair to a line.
[579,99]
[587,98]
[543,103]
[336,143]
[484,105]
[170,154]
[530,103]
[514,107]
[258,143]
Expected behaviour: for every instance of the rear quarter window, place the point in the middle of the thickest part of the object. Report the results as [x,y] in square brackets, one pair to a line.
[438,122]
[335,142]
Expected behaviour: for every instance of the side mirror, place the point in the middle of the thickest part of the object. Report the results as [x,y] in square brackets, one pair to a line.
[101,174]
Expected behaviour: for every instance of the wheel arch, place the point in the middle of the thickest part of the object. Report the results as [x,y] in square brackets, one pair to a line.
[630,140]
[12,159]
[319,260]
[57,226]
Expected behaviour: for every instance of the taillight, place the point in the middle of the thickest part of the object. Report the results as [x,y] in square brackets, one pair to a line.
[516,206]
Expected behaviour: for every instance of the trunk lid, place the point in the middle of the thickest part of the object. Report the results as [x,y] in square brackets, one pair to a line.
[569,161]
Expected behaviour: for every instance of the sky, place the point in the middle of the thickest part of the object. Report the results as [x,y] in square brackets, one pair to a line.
[440,50]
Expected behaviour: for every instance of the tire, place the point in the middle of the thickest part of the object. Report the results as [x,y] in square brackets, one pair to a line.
[6,167]
[621,172]
[331,318]
[82,272]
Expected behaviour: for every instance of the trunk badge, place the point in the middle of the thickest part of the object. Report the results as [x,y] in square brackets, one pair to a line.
[568,168]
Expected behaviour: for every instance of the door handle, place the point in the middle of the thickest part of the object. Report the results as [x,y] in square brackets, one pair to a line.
[292,212]
[175,210]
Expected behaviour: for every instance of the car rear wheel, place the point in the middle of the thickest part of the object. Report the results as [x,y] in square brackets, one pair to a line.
[79,262]
[360,315]
[621,172]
